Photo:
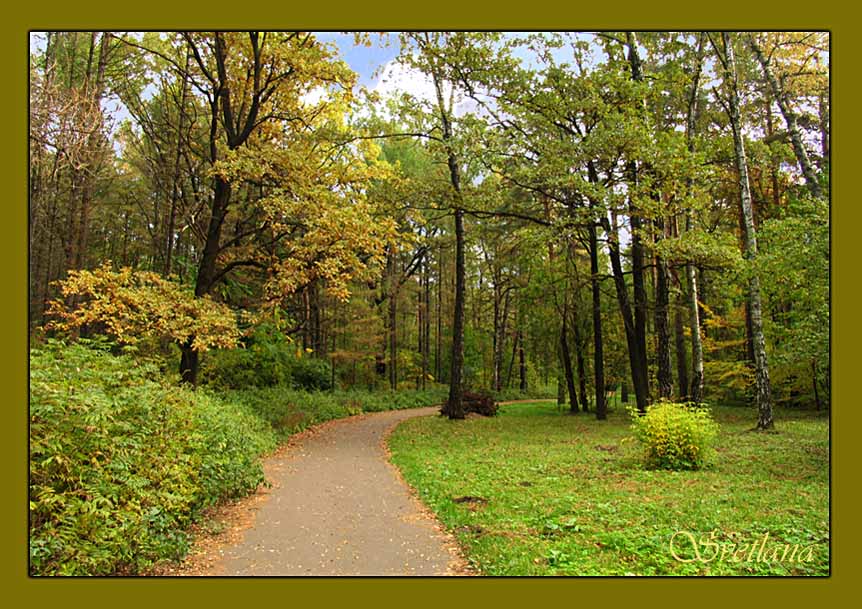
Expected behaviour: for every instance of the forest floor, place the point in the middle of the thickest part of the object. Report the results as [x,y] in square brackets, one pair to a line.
[536,491]
[336,507]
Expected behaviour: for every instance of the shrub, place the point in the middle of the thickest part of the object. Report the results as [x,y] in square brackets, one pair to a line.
[268,359]
[675,436]
[533,393]
[289,411]
[121,464]
[311,374]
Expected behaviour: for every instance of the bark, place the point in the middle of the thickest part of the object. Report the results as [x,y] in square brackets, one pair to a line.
[454,405]
[189,363]
[662,326]
[679,343]
[438,349]
[579,354]
[497,338]
[426,319]
[640,295]
[695,393]
[392,325]
[763,388]
[207,266]
[522,361]
[789,115]
[749,334]
[511,364]
[237,127]
[638,370]
[566,356]
[598,354]
[209,255]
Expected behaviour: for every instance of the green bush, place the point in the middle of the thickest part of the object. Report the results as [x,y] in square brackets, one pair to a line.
[675,436]
[310,373]
[267,359]
[535,393]
[289,411]
[121,464]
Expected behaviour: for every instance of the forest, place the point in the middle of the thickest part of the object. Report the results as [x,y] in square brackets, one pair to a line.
[224,222]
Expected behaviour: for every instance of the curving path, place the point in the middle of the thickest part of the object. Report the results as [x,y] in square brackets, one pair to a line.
[338,507]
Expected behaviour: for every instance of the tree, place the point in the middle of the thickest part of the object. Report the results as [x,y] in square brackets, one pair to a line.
[789,114]
[265,136]
[428,47]
[726,54]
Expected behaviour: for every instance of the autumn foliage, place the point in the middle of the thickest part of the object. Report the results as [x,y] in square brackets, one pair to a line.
[128,305]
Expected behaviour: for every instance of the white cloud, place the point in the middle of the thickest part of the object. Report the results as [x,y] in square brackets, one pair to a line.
[396,79]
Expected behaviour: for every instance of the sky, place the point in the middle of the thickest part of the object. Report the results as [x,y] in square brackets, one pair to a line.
[373,64]
[361,59]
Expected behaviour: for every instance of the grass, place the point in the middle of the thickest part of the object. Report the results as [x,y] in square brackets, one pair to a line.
[542,492]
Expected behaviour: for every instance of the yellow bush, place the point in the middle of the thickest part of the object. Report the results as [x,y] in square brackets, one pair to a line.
[675,436]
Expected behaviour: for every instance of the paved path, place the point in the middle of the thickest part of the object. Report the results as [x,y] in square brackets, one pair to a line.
[338,507]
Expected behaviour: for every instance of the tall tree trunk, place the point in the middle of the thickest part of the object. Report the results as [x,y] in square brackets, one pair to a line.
[598,353]
[561,390]
[426,318]
[579,354]
[392,325]
[695,394]
[638,370]
[749,334]
[438,347]
[522,363]
[789,117]
[566,356]
[455,406]
[497,346]
[696,391]
[500,326]
[679,343]
[764,392]
[514,352]
[206,270]
[662,326]
[640,295]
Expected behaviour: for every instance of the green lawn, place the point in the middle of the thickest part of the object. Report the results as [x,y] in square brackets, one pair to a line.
[542,492]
